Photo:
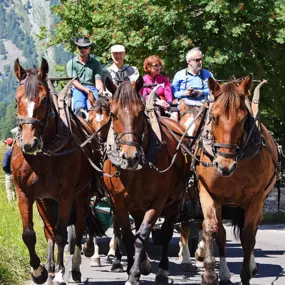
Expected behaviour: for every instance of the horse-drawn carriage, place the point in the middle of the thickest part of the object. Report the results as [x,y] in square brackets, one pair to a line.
[145,171]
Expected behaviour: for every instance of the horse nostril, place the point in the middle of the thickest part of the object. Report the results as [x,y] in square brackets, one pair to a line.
[216,164]
[35,143]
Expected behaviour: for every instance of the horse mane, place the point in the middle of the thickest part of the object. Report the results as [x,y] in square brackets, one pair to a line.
[229,97]
[102,104]
[126,95]
[31,83]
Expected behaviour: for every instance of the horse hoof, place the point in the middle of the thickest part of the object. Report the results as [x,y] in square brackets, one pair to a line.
[161,280]
[209,280]
[76,276]
[95,262]
[110,258]
[254,271]
[188,267]
[228,282]
[88,251]
[117,267]
[145,267]
[42,278]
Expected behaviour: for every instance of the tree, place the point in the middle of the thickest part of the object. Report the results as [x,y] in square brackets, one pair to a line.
[236,37]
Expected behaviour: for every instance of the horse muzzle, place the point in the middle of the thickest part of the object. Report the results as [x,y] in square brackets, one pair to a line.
[130,162]
[225,167]
[32,147]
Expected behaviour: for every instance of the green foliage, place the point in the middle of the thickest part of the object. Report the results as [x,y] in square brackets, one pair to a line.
[236,37]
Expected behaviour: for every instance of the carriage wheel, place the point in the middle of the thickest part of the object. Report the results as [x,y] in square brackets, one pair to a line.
[71,238]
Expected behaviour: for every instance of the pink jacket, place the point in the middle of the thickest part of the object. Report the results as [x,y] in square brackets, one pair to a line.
[163,93]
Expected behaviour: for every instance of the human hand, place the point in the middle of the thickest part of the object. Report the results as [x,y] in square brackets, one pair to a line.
[188,91]
[196,93]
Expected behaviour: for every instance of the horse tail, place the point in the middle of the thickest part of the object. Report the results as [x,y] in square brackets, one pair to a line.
[237,216]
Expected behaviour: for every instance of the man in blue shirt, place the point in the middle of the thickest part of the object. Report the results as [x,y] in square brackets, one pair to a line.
[10,189]
[191,83]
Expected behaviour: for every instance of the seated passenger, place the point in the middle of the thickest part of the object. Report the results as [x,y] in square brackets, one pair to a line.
[89,76]
[120,72]
[153,65]
[191,84]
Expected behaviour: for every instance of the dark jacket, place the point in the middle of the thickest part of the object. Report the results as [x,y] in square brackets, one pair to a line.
[7,161]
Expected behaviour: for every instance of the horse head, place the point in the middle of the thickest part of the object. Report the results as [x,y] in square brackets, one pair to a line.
[99,117]
[128,123]
[32,97]
[228,114]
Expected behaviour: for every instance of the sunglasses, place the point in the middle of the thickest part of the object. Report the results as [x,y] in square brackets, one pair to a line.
[197,59]
[84,47]
[156,65]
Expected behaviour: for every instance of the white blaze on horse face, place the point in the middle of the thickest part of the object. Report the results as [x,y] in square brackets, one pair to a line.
[192,128]
[99,117]
[30,107]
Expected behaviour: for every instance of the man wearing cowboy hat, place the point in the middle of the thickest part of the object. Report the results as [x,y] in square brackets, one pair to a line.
[89,75]
[10,189]
[118,70]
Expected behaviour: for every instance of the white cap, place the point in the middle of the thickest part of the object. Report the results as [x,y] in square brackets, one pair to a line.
[118,48]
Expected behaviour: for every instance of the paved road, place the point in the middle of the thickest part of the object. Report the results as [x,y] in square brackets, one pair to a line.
[269,252]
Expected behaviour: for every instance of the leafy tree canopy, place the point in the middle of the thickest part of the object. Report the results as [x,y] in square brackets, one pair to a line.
[237,37]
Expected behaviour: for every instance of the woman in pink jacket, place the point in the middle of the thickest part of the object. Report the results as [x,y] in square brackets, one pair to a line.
[153,65]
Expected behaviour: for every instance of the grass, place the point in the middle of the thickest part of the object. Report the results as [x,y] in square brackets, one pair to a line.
[14,256]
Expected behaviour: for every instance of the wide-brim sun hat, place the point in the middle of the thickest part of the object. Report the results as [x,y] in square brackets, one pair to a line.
[9,141]
[118,48]
[83,42]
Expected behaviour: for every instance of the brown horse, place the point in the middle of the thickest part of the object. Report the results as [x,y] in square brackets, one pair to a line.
[140,189]
[39,173]
[244,160]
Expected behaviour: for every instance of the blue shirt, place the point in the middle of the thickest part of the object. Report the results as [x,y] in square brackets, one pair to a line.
[183,80]
[7,161]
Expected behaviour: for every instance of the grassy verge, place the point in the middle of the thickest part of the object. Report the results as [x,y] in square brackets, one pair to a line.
[273,218]
[14,257]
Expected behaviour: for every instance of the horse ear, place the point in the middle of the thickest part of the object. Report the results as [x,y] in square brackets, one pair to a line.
[91,98]
[19,71]
[246,85]
[214,86]
[139,84]
[44,68]
[110,85]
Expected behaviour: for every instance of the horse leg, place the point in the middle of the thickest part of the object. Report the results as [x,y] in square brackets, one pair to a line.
[112,249]
[44,207]
[141,240]
[95,259]
[64,209]
[253,216]
[88,247]
[210,228]
[171,213]
[38,271]
[184,253]
[200,251]
[224,272]
[145,265]
[117,264]
[82,203]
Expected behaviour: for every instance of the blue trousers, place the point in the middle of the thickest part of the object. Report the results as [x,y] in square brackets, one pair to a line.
[80,98]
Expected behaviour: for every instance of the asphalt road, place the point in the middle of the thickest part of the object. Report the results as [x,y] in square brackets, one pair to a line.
[269,253]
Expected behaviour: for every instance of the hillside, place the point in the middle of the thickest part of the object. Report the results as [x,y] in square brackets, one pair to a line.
[20,23]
